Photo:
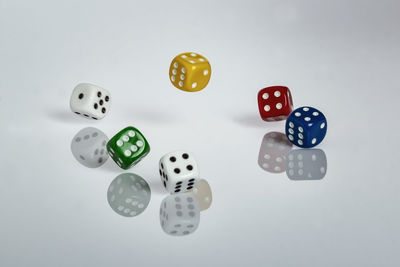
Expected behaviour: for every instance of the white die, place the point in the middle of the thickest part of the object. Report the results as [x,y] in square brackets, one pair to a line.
[203,194]
[90,101]
[179,214]
[179,171]
[89,147]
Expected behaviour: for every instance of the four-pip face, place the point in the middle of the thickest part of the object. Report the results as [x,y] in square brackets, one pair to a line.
[275,103]
[179,171]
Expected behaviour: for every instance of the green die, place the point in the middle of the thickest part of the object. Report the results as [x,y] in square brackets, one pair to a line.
[128,147]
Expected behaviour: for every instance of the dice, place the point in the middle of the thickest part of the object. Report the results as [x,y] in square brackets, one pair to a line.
[203,194]
[90,101]
[128,147]
[190,72]
[306,164]
[89,147]
[128,194]
[306,127]
[179,214]
[273,150]
[178,171]
[275,103]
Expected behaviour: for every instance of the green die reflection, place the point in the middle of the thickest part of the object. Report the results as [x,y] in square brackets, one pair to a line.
[128,147]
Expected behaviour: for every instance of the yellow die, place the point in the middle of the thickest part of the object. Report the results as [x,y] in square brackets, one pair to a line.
[190,72]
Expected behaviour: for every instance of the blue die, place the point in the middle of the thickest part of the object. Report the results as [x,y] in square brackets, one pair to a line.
[306,127]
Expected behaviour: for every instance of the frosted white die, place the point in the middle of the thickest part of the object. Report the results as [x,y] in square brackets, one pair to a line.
[89,147]
[179,214]
[90,101]
[178,171]
[203,194]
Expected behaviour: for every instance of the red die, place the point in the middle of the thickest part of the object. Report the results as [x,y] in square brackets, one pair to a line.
[275,103]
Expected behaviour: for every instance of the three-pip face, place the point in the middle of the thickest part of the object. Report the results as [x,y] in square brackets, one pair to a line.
[179,171]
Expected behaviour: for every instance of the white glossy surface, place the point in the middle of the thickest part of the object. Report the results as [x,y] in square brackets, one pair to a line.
[341,57]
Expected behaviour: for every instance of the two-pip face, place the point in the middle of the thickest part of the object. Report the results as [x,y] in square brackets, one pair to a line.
[179,171]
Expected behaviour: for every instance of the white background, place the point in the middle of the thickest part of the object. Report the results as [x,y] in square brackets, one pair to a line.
[341,57]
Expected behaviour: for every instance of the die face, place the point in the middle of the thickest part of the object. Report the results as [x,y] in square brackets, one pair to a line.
[306,164]
[273,150]
[178,171]
[190,72]
[128,147]
[275,103]
[89,147]
[203,194]
[128,195]
[179,214]
[90,101]
[306,127]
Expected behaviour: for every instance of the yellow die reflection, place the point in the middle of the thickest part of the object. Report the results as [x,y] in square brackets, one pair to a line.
[190,72]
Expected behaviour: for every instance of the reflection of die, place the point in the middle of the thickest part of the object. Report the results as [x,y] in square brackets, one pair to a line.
[178,171]
[128,194]
[306,127]
[90,101]
[179,214]
[190,72]
[273,150]
[202,193]
[89,147]
[306,164]
[128,147]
